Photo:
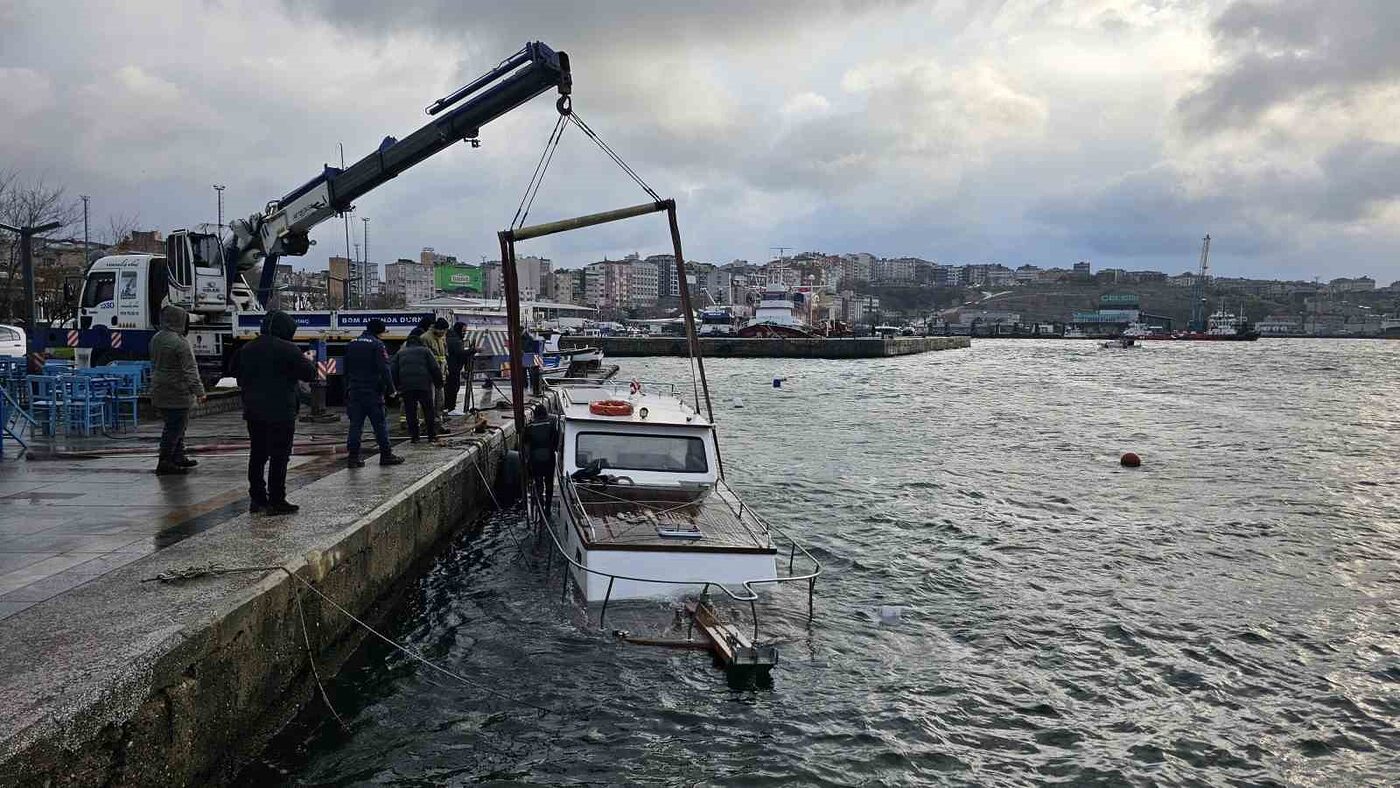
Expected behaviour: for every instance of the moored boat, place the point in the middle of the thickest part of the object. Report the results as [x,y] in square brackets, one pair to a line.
[643,509]
[1222,326]
[779,314]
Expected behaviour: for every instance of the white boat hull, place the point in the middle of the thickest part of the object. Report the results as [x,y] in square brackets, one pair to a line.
[731,569]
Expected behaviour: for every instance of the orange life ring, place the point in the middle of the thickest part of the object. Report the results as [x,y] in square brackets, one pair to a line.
[610,407]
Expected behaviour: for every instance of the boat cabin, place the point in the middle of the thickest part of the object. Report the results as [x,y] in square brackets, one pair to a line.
[640,488]
[654,438]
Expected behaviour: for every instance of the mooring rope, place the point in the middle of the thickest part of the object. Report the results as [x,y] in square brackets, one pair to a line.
[193,572]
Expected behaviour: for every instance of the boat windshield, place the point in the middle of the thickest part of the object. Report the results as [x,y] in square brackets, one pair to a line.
[675,453]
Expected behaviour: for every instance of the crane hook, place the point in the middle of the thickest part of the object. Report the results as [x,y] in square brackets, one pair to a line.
[565,105]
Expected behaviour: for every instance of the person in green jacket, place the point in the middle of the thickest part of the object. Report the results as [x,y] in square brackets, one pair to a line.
[175,388]
[435,340]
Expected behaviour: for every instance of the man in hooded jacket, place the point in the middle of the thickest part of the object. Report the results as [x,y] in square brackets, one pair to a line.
[175,387]
[435,340]
[268,369]
[367,382]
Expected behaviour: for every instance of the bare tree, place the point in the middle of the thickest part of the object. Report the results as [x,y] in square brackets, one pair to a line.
[29,203]
[119,228]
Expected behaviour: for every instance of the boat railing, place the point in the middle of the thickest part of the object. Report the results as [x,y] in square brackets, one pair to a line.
[569,496]
[658,387]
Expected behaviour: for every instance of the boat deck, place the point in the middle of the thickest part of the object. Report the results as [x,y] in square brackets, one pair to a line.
[666,518]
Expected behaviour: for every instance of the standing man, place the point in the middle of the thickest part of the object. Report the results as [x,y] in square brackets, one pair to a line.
[175,388]
[460,357]
[416,373]
[435,339]
[367,382]
[541,437]
[268,369]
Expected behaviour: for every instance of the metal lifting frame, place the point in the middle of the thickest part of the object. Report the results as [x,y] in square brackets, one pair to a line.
[510,278]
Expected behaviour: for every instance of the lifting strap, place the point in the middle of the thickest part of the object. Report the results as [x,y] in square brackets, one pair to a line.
[567,115]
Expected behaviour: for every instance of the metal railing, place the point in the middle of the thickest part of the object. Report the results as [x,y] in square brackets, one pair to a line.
[568,495]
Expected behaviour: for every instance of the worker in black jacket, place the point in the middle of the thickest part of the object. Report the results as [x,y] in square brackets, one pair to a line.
[367,382]
[416,375]
[541,441]
[461,358]
[268,369]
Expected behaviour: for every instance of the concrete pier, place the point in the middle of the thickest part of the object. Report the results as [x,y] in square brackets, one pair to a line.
[110,679]
[734,347]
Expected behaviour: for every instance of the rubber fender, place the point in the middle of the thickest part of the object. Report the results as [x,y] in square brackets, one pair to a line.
[510,477]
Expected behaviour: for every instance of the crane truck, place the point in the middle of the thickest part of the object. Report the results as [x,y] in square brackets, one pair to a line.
[227,284]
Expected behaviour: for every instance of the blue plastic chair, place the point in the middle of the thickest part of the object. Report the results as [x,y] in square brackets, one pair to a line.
[14,419]
[85,399]
[12,372]
[45,401]
[144,367]
[117,390]
[126,395]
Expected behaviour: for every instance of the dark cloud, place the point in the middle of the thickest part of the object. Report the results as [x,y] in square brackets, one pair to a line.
[1277,52]
[1355,178]
[1151,214]
[950,130]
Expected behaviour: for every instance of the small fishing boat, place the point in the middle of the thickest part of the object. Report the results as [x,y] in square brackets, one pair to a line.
[643,508]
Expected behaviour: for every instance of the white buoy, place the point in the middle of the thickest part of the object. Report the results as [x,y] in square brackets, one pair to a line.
[890,614]
[738,402]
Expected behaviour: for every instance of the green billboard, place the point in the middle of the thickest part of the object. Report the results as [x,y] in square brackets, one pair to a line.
[457,278]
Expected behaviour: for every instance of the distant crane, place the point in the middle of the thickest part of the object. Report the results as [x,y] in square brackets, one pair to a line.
[1198,289]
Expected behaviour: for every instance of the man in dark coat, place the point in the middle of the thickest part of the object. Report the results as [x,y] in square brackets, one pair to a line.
[461,357]
[268,369]
[367,382]
[416,374]
[541,439]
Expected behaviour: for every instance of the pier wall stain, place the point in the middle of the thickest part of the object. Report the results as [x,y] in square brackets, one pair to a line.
[735,347]
[221,688]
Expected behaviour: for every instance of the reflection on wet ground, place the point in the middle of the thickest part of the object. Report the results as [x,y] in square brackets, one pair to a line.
[64,522]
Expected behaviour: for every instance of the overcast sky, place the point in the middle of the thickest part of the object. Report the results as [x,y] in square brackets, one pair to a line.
[1021,131]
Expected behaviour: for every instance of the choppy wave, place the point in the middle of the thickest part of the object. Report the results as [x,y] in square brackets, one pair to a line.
[1225,614]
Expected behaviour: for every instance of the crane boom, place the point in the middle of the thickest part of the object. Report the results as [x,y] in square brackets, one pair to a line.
[284,225]
[1198,289]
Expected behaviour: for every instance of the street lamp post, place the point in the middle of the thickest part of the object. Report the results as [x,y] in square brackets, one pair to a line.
[364,265]
[219,189]
[85,231]
[345,289]
[26,258]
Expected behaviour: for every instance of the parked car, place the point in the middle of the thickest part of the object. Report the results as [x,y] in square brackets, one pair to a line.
[12,341]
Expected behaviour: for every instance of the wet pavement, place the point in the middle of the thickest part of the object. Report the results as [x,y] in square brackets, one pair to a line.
[75,509]
[66,522]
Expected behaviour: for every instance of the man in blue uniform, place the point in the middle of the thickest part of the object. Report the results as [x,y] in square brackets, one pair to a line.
[367,382]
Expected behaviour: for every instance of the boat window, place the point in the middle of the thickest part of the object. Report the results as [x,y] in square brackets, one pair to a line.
[676,453]
[99,289]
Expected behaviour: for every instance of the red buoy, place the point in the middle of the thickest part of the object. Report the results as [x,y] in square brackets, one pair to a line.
[1130,460]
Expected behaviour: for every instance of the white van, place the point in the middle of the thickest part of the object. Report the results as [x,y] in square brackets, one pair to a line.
[12,341]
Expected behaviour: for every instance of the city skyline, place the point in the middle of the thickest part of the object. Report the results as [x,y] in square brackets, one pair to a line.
[1030,132]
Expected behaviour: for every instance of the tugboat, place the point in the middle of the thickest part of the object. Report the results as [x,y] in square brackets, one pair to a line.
[1222,327]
